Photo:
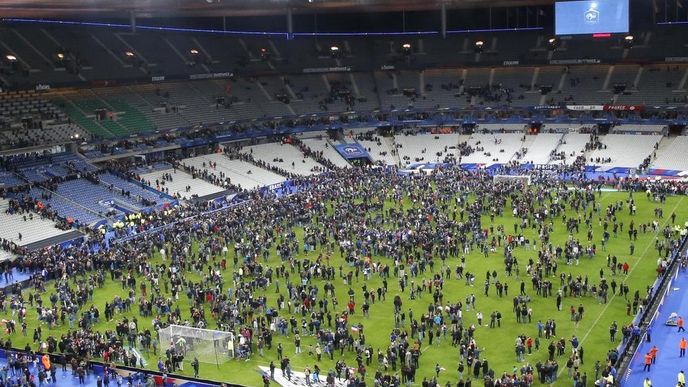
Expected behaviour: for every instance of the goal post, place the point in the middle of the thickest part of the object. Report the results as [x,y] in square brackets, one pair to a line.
[513,179]
[207,345]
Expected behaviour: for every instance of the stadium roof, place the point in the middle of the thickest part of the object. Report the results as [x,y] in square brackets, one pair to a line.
[192,8]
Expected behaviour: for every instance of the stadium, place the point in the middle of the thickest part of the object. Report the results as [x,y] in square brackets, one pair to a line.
[343,193]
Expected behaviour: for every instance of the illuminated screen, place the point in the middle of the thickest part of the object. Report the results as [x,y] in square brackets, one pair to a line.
[591,17]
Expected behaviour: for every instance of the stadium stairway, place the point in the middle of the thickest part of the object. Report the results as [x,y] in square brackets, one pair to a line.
[525,144]
[556,148]
[392,145]
[329,151]
[671,154]
[664,144]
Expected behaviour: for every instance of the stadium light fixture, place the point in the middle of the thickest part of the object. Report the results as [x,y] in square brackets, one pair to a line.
[193,51]
[11,58]
[628,41]
[406,47]
[60,56]
[129,54]
[479,45]
[552,43]
[334,49]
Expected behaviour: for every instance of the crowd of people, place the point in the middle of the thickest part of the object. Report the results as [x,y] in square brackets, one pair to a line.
[411,251]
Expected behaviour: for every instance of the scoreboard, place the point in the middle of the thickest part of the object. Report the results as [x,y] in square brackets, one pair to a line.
[589,17]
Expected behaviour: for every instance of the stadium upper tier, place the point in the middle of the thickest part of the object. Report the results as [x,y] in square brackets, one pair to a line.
[254,78]
[59,54]
[121,111]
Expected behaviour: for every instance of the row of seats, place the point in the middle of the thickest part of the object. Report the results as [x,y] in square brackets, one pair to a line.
[328,151]
[616,150]
[672,155]
[241,173]
[99,53]
[380,150]
[623,150]
[171,105]
[28,119]
[284,156]
[30,226]
[134,190]
[426,148]
[179,183]
[67,208]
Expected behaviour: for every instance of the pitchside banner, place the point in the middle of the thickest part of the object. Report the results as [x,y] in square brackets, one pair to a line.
[605,108]
[352,151]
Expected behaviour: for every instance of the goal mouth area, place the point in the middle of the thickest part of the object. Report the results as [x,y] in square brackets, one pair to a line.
[207,345]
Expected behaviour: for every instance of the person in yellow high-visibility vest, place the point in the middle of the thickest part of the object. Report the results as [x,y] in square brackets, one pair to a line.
[681,379]
[647,382]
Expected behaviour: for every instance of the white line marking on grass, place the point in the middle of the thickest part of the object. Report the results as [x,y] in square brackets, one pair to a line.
[637,261]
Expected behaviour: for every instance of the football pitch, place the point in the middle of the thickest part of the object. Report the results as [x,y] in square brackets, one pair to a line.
[497,344]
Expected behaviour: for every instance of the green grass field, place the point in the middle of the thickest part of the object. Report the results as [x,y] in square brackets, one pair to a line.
[497,345]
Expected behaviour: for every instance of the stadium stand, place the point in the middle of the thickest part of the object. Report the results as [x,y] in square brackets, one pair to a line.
[97,198]
[428,148]
[500,127]
[179,184]
[284,156]
[201,118]
[639,129]
[571,146]
[615,150]
[493,148]
[28,119]
[673,155]
[381,149]
[239,173]
[24,228]
[68,209]
[326,148]
[111,117]
[539,148]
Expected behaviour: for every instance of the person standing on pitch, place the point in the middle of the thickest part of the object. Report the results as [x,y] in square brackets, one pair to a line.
[648,362]
[195,365]
[679,324]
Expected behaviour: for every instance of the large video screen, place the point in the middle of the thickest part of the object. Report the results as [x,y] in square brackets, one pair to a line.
[591,17]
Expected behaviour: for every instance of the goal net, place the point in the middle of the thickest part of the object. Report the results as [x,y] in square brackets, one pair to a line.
[207,345]
[513,179]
